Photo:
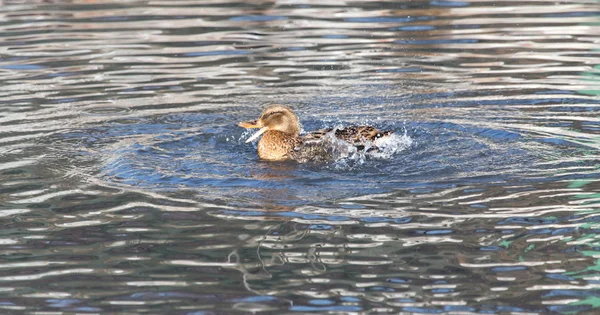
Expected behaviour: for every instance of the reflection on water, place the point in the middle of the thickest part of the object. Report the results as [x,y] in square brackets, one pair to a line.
[126,186]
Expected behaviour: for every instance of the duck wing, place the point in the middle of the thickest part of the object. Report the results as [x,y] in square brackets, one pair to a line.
[355,135]
[360,134]
[311,147]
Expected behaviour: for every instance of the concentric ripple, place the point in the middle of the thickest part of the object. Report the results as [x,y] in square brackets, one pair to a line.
[126,185]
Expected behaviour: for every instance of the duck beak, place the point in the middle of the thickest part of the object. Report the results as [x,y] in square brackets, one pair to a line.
[250,124]
[253,124]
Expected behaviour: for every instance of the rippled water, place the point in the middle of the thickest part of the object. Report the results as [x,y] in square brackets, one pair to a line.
[126,185]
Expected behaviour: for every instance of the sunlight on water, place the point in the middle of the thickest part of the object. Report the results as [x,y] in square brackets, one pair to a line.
[126,185]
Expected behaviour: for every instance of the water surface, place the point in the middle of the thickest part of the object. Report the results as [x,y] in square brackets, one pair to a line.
[126,185]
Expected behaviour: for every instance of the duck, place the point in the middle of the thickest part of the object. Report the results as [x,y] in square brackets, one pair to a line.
[280,139]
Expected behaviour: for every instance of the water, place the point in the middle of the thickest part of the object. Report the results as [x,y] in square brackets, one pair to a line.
[126,185]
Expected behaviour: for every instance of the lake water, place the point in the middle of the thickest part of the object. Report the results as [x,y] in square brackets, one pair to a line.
[126,185]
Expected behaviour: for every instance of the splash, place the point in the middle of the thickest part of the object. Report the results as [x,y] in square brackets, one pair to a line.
[344,154]
[390,145]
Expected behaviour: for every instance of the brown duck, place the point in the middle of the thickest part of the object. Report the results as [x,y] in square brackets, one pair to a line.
[281,139]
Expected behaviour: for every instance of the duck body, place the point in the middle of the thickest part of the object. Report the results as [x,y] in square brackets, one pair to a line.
[281,139]
[276,146]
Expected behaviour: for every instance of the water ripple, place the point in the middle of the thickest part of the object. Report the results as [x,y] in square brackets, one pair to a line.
[125,181]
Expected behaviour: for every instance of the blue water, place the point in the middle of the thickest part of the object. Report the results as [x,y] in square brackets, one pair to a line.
[126,185]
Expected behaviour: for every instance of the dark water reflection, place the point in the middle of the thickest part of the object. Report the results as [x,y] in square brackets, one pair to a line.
[126,186]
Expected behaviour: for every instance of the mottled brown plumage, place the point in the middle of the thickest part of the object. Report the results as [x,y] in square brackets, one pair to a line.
[276,145]
[281,139]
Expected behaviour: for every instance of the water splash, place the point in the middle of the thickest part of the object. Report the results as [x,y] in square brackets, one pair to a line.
[390,145]
[344,154]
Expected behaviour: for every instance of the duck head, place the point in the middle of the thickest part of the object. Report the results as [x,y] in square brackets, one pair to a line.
[274,117]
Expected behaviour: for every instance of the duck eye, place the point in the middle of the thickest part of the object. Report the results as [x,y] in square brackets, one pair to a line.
[271,114]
